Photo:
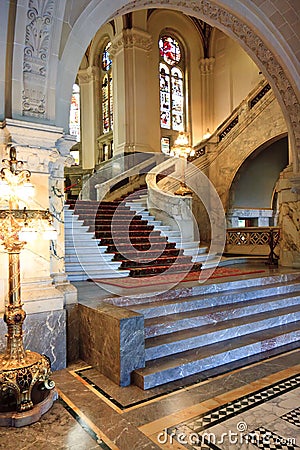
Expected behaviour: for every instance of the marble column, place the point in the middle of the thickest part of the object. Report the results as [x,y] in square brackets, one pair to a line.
[89,106]
[43,150]
[130,55]
[288,188]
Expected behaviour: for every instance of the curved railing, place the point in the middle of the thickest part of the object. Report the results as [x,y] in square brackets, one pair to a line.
[171,209]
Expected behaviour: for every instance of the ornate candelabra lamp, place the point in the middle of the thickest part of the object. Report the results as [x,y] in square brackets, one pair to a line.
[24,375]
[181,149]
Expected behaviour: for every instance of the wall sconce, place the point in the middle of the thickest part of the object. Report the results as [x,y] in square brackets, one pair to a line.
[181,149]
[206,135]
[22,372]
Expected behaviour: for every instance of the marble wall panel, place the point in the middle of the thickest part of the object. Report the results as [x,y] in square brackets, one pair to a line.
[44,333]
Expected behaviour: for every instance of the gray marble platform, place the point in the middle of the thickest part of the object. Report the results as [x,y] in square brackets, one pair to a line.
[185,335]
[112,340]
[191,329]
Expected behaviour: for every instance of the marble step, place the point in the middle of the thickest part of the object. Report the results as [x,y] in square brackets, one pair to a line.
[197,360]
[83,276]
[160,260]
[179,341]
[155,269]
[81,248]
[179,305]
[76,227]
[171,323]
[219,286]
[92,266]
[84,257]
[134,240]
[80,241]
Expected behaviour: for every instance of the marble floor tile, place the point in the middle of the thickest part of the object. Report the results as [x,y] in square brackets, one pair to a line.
[87,416]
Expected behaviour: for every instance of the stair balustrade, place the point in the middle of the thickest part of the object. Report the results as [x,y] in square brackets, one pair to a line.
[260,241]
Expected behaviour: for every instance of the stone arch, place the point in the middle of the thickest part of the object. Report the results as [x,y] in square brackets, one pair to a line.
[252,155]
[212,12]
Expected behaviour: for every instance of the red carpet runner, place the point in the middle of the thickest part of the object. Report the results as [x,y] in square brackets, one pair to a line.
[220,272]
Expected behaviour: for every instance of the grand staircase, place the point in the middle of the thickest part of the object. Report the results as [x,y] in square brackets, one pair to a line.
[209,326]
[128,243]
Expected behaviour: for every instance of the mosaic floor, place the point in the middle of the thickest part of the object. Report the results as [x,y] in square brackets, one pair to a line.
[256,407]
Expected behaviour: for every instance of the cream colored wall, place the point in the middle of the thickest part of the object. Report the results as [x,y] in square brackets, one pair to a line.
[235,75]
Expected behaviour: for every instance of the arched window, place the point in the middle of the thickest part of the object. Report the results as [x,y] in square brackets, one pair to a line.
[74,121]
[106,90]
[172,86]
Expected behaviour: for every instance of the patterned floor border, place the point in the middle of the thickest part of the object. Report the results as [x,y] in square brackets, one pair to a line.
[275,353]
[218,415]
[83,423]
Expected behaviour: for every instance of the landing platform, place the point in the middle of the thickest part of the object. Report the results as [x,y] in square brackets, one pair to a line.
[91,292]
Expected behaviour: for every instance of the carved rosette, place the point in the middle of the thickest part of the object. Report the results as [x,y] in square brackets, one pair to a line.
[36,56]
[212,12]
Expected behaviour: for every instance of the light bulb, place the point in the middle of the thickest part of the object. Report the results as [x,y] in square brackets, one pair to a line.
[4,189]
[27,234]
[50,234]
[26,191]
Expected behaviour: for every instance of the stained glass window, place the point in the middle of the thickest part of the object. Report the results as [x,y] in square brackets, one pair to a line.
[106,61]
[107,91]
[177,98]
[165,98]
[74,122]
[171,77]
[169,50]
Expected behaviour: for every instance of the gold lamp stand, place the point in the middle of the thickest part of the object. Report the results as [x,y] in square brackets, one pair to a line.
[26,391]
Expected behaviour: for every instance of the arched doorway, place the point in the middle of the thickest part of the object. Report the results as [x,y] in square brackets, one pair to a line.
[259,46]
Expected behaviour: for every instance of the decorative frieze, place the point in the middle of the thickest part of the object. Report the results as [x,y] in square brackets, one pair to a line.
[36,57]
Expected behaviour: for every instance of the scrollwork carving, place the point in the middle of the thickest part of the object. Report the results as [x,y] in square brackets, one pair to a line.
[36,55]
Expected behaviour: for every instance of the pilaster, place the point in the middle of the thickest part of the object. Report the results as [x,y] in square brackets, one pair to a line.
[44,151]
[288,188]
[130,54]
[207,99]
[89,105]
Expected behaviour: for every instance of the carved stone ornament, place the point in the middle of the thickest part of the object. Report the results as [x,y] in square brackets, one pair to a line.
[36,56]
[129,39]
[209,10]
[206,65]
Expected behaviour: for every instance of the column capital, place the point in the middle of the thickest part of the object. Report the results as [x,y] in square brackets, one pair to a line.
[206,65]
[131,38]
[89,74]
